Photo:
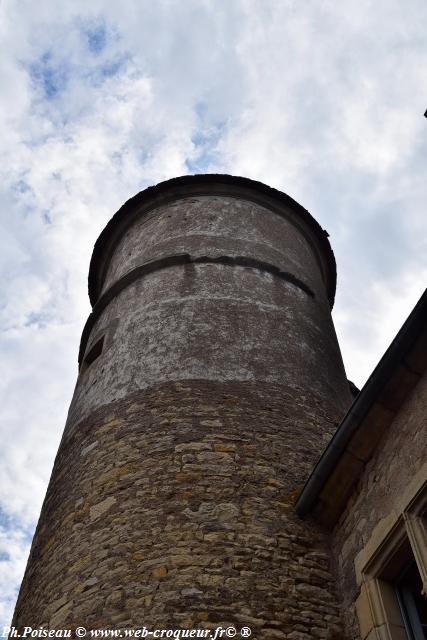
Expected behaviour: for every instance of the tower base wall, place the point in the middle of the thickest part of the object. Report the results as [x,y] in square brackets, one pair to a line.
[173,508]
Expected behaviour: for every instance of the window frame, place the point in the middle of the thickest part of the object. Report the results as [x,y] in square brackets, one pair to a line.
[410,613]
[378,608]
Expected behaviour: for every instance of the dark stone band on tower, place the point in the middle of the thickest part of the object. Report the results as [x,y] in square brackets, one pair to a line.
[174,261]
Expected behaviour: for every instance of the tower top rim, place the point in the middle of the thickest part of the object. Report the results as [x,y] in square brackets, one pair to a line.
[205,184]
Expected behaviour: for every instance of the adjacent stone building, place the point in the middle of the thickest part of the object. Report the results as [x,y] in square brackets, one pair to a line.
[369,489]
[187,492]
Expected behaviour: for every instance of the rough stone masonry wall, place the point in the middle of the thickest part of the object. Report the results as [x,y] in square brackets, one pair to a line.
[400,454]
[174,508]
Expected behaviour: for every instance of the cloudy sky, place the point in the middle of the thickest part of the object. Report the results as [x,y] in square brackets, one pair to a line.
[322,99]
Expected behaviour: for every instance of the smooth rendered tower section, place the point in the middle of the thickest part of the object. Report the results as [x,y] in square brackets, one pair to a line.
[210,381]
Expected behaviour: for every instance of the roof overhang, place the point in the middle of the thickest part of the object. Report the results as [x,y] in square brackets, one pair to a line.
[326,492]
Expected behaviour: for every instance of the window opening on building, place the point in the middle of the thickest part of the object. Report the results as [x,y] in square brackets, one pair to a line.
[395,577]
[94,352]
[412,603]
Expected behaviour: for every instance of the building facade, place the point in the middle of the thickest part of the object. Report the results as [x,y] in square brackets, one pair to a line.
[369,489]
[210,382]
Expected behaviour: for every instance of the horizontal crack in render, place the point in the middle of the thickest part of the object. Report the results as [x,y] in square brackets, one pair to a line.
[177,260]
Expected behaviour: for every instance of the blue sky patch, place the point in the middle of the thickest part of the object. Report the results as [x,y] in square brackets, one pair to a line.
[21,186]
[109,68]
[11,523]
[97,38]
[5,519]
[205,141]
[49,76]
[112,67]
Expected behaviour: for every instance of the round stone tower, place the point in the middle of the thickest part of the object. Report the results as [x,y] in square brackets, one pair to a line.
[210,381]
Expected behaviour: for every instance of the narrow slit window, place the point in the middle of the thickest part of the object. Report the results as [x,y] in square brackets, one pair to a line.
[94,352]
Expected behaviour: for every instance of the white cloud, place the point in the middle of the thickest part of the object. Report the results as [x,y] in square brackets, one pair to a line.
[323,100]
[14,548]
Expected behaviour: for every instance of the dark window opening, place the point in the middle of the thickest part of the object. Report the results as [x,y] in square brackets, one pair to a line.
[94,352]
[412,603]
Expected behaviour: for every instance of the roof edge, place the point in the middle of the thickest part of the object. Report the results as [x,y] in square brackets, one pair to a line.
[352,422]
